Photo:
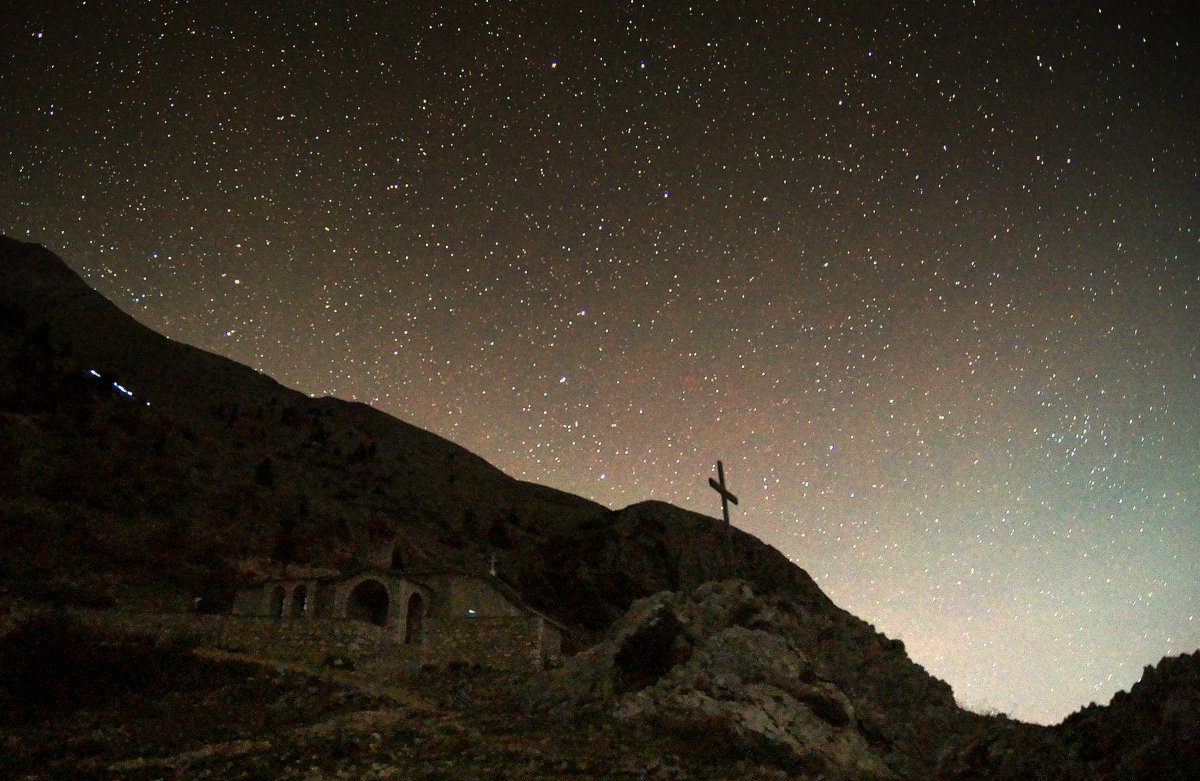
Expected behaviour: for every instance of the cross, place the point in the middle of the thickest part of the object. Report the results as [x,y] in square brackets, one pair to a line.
[719,486]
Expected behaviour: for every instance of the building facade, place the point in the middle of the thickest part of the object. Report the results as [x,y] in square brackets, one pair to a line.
[430,617]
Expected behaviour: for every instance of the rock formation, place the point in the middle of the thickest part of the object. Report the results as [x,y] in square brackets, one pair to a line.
[815,693]
[1151,732]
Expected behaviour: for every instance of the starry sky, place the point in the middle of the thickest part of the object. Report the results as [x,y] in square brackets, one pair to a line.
[924,275]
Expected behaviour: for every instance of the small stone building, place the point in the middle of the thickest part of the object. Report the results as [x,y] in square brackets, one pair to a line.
[435,616]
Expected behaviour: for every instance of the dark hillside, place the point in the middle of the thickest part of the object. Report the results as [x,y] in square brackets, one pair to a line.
[140,473]
[202,467]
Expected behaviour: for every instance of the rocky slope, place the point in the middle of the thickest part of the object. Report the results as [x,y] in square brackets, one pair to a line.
[768,678]
[1151,733]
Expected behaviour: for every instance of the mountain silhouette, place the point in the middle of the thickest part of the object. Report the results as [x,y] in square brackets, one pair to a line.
[140,473]
[226,454]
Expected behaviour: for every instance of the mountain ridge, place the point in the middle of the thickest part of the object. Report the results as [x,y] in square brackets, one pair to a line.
[141,472]
[390,468]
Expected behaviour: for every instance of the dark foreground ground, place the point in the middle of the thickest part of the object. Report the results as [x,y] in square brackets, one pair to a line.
[81,706]
[75,704]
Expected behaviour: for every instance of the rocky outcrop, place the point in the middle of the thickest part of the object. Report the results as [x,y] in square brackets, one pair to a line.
[755,672]
[1150,733]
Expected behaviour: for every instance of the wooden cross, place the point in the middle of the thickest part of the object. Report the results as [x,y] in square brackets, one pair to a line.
[726,496]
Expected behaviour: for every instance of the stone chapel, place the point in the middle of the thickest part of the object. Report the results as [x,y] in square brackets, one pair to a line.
[431,616]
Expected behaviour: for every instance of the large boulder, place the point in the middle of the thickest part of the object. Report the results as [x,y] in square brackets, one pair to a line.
[724,664]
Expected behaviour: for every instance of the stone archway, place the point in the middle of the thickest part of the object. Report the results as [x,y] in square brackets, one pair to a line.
[300,601]
[278,599]
[414,619]
[368,601]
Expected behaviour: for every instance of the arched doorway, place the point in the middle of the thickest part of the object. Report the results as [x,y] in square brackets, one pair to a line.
[397,558]
[278,597]
[300,601]
[414,620]
[368,602]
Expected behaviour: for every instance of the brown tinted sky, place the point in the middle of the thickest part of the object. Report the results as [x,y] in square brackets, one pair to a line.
[924,276]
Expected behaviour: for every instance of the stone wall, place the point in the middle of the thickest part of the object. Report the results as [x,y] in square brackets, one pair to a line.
[166,627]
[314,641]
[514,644]
[501,642]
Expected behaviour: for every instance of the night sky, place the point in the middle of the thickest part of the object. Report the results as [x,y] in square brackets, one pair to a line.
[926,277]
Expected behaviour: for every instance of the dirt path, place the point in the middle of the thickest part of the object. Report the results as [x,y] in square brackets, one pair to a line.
[397,693]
